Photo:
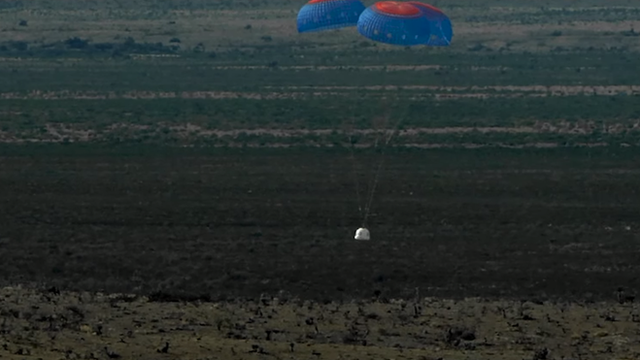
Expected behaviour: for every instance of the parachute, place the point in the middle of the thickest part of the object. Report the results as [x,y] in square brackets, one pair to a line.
[320,15]
[392,22]
[395,23]
[441,30]
[400,23]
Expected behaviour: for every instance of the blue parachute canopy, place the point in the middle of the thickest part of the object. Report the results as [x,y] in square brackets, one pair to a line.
[319,15]
[396,23]
[441,30]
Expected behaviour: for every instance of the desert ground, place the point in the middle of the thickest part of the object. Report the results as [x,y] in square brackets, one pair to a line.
[95,326]
[183,180]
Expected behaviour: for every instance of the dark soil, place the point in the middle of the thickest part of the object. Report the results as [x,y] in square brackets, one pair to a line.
[224,223]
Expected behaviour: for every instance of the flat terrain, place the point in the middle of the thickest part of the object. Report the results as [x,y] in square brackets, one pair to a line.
[206,157]
[219,223]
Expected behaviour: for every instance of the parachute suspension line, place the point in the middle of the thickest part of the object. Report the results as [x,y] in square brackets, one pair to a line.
[371,188]
[374,183]
[355,174]
[369,204]
[350,130]
[367,209]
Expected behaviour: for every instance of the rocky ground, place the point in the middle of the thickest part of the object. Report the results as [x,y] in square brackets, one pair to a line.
[48,324]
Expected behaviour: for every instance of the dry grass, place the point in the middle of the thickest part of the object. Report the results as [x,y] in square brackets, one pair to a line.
[48,325]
